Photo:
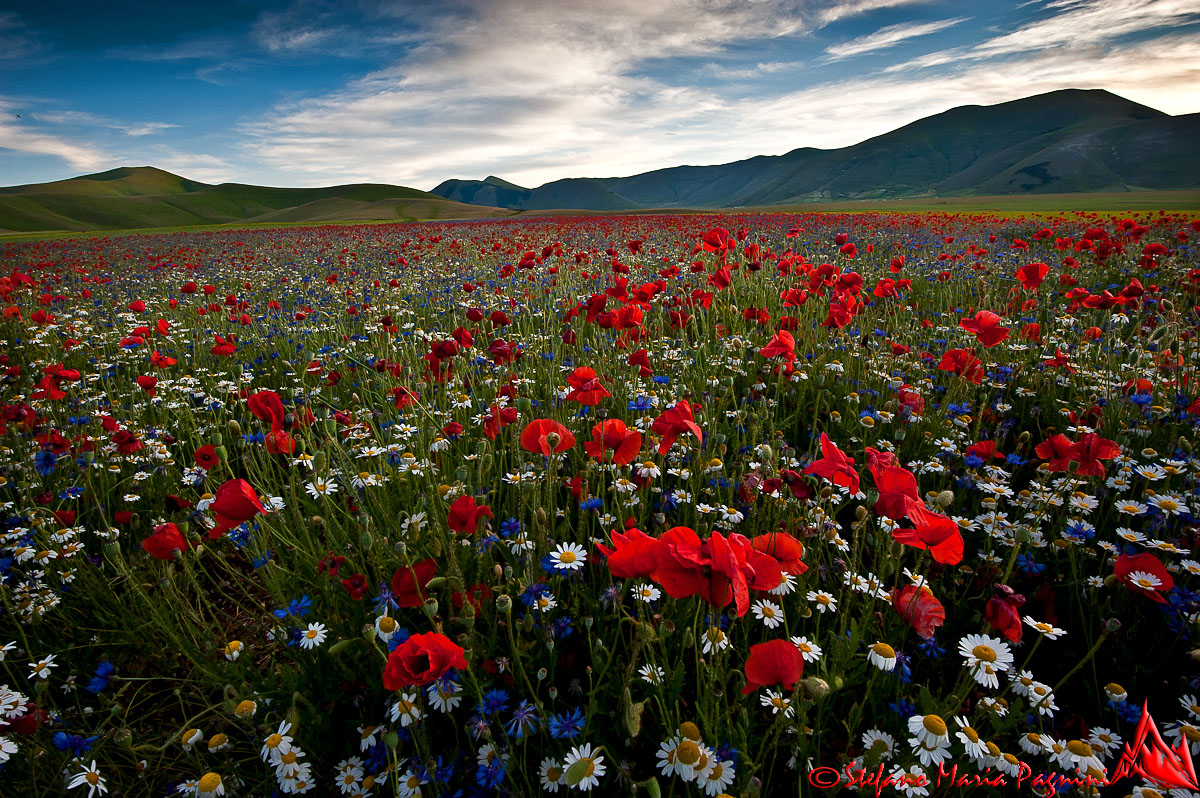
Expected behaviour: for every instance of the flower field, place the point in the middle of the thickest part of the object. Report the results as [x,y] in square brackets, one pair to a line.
[655,505]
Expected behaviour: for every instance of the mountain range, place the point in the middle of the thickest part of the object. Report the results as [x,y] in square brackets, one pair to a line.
[1062,142]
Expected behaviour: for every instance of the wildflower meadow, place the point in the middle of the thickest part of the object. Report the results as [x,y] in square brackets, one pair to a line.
[693,505]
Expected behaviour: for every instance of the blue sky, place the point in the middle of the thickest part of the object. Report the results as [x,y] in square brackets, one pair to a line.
[312,93]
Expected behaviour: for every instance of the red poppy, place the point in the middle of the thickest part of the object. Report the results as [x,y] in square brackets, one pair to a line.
[782,344]
[986,326]
[640,359]
[834,466]
[545,435]
[585,387]
[896,486]
[673,422]
[773,662]
[408,584]
[634,554]
[786,550]
[147,383]
[1003,613]
[166,540]
[422,659]
[919,609]
[963,363]
[234,504]
[206,457]
[1145,574]
[162,361]
[463,516]
[1032,274]
[612,434]
[932,531]
[127,442]
[357,586]
[497,419]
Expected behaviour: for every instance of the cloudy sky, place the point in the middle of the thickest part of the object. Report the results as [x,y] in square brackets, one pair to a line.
[307,93]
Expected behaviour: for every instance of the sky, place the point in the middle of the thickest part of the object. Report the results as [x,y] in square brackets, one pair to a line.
[312,93]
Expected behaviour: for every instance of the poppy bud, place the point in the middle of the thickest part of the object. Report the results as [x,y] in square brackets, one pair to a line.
[235,429]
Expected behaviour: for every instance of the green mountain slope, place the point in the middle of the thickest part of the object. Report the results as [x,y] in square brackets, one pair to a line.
[137,197]
[1064,141]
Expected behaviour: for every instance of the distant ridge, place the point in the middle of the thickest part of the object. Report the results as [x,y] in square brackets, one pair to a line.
[1066,141]
[132,197]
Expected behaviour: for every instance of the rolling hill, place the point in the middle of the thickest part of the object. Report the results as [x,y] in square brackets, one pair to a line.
[142,197]
[1060,142]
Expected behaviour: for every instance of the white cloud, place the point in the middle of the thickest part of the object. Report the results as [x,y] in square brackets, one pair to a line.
[853,8]
[85,119]
[17,40]
[21,136]
[889,37]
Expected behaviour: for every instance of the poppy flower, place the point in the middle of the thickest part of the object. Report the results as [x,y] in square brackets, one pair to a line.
[782,344]
[1003,613]
[1145,574]
[545,435]
[633,555]
[932,531]
[640,359]
[147,383]
[206,457]
[963,363]
[986,327]
[673,422]
[422,659]
[408,584]
[234,503]
[1032,274]
[357,586]
[835,466]
[166,540]
[498,418]
[773,662]
[162,361]
[463,516]
[613,435]
[786,550]
[896,486]
[585,387]
[918,607]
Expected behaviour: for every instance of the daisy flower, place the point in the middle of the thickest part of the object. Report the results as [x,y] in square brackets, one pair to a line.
[985,656]
[405,710]
[313,636]
[1047,630]
[768,612]
[41,669]
[715,640]
[586,764]
[810,651]
[876,740]
[882,656]
[210,786]
[551,773]
[568,557]
[321,487]
[645,592]
[444,694]
[89,777]
[277,743]
[972,744]
[654,674]
[718,777]
[825,601]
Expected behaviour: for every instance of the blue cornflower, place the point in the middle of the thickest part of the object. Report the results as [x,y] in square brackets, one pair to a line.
[567,725]
[641,404]
[930,648]
[1030,566]
[296,607]
[972,461]
[594,503]
[494,701]
[1015,460]
[509,527]
[385,598]
[259,562]
[377,758]
[524,720]
[491,775]
[662,379]
[561,627]
[726,752]
[531,594]
[903,707]
[77,744]
[399,638]
[100,680]
[73,492]
[45,462]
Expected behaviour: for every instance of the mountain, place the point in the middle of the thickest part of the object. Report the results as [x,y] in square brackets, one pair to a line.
[1064,141]
[142,197]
